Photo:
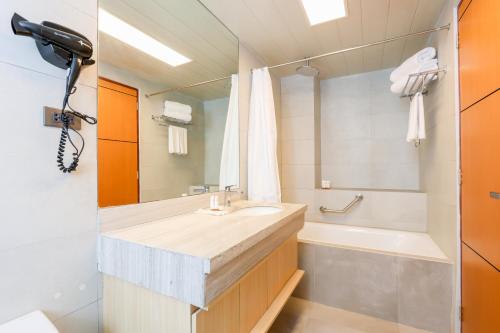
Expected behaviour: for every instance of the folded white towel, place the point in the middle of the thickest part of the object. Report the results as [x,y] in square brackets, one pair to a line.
[416,120]
[412,64]
[398,86]
[171,106]
[177,140]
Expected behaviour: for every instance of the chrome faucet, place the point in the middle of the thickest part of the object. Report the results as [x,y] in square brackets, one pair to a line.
[227,195]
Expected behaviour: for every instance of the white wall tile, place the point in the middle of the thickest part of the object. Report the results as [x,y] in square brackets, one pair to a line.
[31,178]
[363,134]
[80,321]
[21,51]
[57,276]
[298,152]
[298,177]
[438,153]
[48,239]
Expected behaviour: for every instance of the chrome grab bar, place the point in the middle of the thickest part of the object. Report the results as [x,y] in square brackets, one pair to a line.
[351,204]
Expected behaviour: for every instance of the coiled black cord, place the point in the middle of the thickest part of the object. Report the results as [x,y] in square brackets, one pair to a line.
[66,117]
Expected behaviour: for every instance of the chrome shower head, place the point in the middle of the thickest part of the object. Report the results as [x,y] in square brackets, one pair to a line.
[307,70]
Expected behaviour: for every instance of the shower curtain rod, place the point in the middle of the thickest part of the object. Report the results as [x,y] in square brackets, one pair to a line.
[424,32]
[188,86]
[444,27]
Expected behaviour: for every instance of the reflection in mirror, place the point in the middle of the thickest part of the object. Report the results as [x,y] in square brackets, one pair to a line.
[168,101]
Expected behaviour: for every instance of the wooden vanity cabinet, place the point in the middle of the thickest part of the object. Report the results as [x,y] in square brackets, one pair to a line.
[249,305]
[252,304]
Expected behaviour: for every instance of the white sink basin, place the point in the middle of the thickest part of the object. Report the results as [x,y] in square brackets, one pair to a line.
[257,211]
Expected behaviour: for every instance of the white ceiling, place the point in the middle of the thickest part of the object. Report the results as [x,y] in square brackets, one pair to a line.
[278,31]
[187,27]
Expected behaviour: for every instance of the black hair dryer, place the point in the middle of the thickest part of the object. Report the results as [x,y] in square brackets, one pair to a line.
[66,49]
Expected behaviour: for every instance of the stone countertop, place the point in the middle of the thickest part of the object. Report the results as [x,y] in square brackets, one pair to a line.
[172,255]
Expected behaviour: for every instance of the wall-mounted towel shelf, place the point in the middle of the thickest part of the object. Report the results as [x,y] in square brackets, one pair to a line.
[418,82]
[165,121]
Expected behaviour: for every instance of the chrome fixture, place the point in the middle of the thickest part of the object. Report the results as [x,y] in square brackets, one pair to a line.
[164,120]
[444,27]
[424,32]
[227,195]
[188,86]
[307,69]
[351,204]
[420,81]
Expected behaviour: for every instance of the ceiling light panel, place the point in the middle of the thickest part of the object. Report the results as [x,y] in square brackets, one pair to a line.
[121,30]
[320,11]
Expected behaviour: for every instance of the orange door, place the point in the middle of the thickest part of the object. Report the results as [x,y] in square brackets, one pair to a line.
[117,173]
[117,112]
[479,31]
[481,177]
[117,155]
[480,294]
[479,50]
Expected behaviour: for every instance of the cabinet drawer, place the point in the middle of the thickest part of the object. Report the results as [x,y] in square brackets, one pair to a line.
[481,176]
[222,317]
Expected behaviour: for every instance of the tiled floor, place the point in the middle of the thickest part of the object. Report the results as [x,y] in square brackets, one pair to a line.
[301,316]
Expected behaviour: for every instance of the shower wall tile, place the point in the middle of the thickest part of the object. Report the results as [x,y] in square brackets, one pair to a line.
[301,196]
[380,209]
[300,139]
[298,128]
[298,152]
[364,134]
[298,177]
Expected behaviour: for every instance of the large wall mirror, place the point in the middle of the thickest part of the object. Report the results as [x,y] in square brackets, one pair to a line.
[168,101]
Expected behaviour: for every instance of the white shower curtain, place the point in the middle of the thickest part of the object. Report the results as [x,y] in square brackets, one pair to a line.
[229,173]
[263,176]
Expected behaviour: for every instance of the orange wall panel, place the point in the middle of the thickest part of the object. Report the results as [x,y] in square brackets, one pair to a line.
[118,183]
[480,294]
[479,51]
[481,175]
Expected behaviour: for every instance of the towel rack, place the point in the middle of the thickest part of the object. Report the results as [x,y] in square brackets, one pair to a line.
[164,120]
[419,83]
[351,204]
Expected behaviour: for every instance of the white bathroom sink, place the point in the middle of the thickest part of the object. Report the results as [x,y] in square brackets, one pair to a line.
[258,211]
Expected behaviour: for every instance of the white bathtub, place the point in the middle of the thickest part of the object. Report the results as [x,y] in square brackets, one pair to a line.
[405,243]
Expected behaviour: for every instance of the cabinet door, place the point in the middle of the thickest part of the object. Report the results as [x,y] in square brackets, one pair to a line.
[479,49]
[117,112]
[281,265]
[117,173]
[480,294]
[222,316]
[253,297]
[480,165]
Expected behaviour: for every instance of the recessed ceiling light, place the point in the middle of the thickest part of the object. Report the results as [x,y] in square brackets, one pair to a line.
[123,31]
[319,11]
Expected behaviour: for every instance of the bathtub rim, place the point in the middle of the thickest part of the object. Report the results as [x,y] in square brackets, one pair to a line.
[371,250]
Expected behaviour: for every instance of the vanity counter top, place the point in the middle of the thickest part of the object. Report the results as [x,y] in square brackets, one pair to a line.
[176,255]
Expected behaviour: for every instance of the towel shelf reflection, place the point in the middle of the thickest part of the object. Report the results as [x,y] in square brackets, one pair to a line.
[165,121]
